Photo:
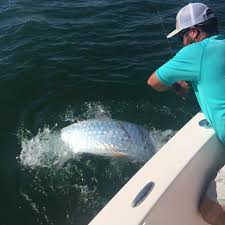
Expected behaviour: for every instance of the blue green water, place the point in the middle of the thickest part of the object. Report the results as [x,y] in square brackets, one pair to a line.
[65,61]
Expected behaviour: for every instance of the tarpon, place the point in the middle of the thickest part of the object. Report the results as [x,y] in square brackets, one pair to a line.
[109,137]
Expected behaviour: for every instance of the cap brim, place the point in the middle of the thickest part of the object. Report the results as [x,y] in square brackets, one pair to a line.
[173,33]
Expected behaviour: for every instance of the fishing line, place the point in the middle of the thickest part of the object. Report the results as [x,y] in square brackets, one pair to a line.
[163,27]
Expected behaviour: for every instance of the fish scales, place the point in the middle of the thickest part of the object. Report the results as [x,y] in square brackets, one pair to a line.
[109,137]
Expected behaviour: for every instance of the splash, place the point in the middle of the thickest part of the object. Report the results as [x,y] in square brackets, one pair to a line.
[47,149]
[44,150]
[161,137]
[96,110]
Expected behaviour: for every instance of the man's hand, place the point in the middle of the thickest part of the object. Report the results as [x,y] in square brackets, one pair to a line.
[181,88]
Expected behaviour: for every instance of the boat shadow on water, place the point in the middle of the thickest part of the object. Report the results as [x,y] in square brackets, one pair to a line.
[75,192]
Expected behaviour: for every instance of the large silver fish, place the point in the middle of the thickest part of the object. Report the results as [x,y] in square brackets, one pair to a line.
[109,137]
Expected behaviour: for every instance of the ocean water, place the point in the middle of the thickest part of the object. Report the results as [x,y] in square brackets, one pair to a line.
[64,61]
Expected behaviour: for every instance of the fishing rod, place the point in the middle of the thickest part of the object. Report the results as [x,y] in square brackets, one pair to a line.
[162,24]
[176,85]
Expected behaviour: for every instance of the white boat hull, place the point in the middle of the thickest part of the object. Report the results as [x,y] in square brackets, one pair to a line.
[180,171]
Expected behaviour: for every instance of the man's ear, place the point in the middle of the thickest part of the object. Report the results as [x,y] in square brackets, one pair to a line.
[195,33]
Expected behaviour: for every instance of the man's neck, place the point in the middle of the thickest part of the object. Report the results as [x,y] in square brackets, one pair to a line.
[204,35]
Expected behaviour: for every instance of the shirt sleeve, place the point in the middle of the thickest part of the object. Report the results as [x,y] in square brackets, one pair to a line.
[185,65]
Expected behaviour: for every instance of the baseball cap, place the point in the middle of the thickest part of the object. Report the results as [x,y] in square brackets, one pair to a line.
[190,15]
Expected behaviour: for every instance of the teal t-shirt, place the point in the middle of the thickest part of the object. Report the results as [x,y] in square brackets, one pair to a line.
[202,63]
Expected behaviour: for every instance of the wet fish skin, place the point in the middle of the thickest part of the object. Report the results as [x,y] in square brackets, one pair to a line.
[109,137]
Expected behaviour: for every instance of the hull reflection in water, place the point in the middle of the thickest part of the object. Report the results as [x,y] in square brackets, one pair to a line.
[109,137]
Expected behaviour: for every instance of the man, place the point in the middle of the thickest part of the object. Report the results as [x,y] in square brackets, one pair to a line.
[202,62]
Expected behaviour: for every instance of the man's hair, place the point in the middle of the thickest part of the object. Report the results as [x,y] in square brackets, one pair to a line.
[210,26]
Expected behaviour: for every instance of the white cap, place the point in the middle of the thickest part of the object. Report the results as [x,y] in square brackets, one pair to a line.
[190,15]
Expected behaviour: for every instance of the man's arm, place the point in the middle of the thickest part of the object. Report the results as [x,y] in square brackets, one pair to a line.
[180,87]
[156,84]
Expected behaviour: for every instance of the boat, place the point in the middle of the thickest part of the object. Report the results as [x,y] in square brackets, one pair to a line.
[168,188]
